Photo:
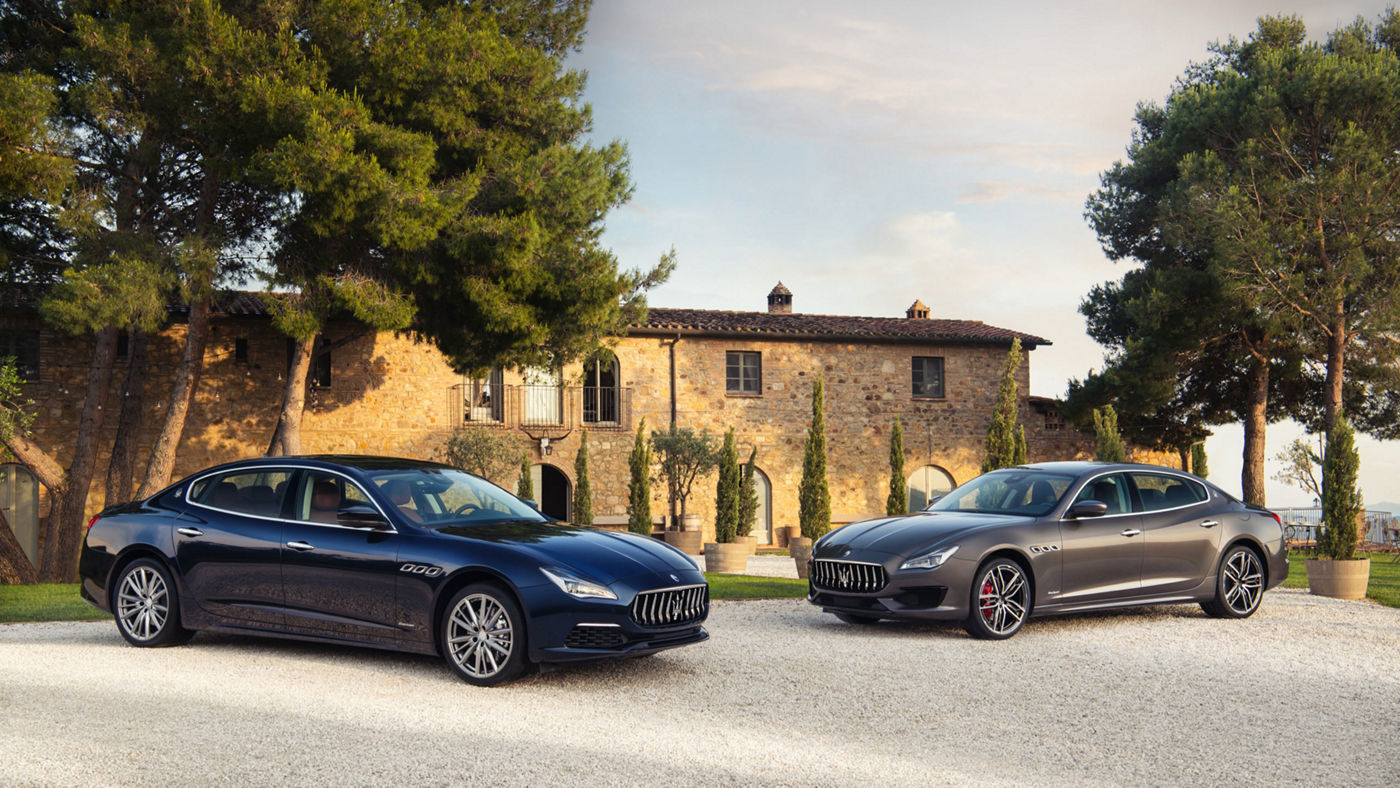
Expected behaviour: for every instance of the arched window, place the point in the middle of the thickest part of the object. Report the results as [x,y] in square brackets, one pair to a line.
[601,391]
[927,483]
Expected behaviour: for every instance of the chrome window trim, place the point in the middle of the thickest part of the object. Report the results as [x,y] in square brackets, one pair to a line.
[282,466]
[1065,519]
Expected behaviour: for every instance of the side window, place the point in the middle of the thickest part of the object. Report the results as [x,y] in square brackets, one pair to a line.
[253,492]
[1159,491]
[322,495]
[1110,490]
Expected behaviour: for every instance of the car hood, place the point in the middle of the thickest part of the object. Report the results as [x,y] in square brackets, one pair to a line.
[605,556]
[908,534]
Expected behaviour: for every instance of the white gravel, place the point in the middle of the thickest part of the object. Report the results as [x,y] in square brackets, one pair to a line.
[1306,692]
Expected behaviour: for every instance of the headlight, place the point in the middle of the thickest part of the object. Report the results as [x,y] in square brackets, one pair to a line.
[573,585]
[930,560]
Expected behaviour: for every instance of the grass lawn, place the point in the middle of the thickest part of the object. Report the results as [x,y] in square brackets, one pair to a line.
[45,602]
[1385,576]
[751,587]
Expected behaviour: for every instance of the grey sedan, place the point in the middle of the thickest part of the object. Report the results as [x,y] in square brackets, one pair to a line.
[1053,538]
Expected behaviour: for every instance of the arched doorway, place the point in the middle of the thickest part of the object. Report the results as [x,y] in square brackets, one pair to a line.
[763,524]
[553,489]
[19,503]
[926,483]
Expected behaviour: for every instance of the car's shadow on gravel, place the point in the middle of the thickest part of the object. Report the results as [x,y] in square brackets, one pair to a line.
[1127,616]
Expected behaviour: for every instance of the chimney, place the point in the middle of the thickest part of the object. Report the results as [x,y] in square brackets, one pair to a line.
[917,311]
[780,300]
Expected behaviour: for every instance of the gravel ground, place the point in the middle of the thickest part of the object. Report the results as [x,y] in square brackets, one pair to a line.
[781,695]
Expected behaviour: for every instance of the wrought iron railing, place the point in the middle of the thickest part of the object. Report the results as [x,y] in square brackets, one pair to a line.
[529,406]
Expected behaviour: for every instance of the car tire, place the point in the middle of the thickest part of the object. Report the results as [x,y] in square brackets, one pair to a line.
[1000,600]
[1239,584]
[146,606]
[851,618]
[483,636]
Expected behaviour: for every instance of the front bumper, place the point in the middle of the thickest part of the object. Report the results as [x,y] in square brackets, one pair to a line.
[565,629]
[935,595]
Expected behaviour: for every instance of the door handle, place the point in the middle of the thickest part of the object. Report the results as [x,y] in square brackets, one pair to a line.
[1209,523]
[187,531]
[1131,532]
[300,545]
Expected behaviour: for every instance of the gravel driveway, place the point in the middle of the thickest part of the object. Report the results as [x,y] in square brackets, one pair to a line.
[780,695]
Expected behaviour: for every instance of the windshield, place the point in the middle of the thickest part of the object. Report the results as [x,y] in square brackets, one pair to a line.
[446,496]
[1011,491]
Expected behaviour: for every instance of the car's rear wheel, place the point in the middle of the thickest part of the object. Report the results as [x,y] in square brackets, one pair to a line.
[851,618]
[146,606]
[1239,585]
[483,635]
[1000,600]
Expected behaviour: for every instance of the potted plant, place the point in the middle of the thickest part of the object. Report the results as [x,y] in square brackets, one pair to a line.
[1337,572]
[724,554]
[814,497]
[683,455]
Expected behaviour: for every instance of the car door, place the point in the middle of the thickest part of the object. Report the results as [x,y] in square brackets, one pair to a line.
[1181,532]
[1101,557]
[228,544]
[338,580]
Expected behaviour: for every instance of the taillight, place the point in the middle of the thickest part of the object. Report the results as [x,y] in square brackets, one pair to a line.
[1277,519]
[92,521]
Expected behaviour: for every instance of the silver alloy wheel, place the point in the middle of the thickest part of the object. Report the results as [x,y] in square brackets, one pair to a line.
[1243,582]
[1003,598]
[143,603]
[479,636]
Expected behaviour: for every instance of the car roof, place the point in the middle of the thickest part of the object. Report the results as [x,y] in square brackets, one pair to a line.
[1079,467]
[358,462]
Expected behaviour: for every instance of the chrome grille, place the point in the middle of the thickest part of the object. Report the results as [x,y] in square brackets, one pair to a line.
[850,576]
[683,605]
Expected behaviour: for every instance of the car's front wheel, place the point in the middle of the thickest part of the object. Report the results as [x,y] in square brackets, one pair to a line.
[1239,585]
[1000,601]
[483,635]
[147,606]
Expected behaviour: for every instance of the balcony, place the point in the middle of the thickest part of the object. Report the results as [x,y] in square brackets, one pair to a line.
[543,409]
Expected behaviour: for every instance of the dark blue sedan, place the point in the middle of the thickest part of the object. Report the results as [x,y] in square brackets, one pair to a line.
[390,553]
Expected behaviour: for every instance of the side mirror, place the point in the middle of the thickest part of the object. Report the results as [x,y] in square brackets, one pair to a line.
[362,516]
[532,504]
[1088,509]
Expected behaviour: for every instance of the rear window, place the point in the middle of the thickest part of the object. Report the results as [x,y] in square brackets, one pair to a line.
[258,492]
[1160,491]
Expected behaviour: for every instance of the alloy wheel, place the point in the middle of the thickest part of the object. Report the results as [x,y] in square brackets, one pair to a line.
[143,603]
[480,636]
[1003,598]
[1243,582]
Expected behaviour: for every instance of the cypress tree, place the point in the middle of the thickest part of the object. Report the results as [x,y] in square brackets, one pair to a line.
[639,491]
[898,500]
[1341,500]
[1019,457]
[727,492]
[525,487]
[748,496]
[1198,460]
[1110,441]
[583,495]
[814,497]
[1001,433]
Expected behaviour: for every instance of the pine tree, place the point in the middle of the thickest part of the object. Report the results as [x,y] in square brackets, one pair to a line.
[583,495]
[727,492]
[748,496]
[525,486]
[639,490]
[1019,457]
[1341,500]
[1001,433]
[1198,460]
[1110,441]
[898,500]
[814,496]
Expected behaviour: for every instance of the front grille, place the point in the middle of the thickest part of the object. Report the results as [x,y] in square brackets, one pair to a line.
[670,606]
[847,576]
[587,636]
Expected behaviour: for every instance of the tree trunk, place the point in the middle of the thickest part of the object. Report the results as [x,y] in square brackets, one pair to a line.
[181,395]
[1256,423]
[1336,357]
[1183,454]
[122,469]
[286,438]
[64,532]
[15,568]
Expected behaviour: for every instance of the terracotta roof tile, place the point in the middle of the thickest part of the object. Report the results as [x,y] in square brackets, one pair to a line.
[710,322]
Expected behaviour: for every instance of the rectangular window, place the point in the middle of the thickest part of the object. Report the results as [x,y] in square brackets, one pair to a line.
[928,377]
[743,372]
[240,350]
[23,347]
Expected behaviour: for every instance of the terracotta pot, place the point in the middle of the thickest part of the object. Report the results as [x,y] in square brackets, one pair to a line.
[800,548]
[690,522]
[1338,579]
[731,558]
[688,542]
[750,542]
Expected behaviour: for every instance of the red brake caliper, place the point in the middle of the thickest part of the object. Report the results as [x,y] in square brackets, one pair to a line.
[987,604]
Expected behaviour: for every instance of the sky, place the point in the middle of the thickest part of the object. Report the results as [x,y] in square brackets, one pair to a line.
[870,153]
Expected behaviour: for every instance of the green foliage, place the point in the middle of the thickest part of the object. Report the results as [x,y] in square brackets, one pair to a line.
[727,492]
[1019,457]
[814,496]
[484,452]
[1299,467]
[16,410]
[1198,461]
[639,489]
[525,484]
[748,496]
[1342,504]
[583,493]
[1110,441]
[683,455]
[1001,433]
[898,500]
